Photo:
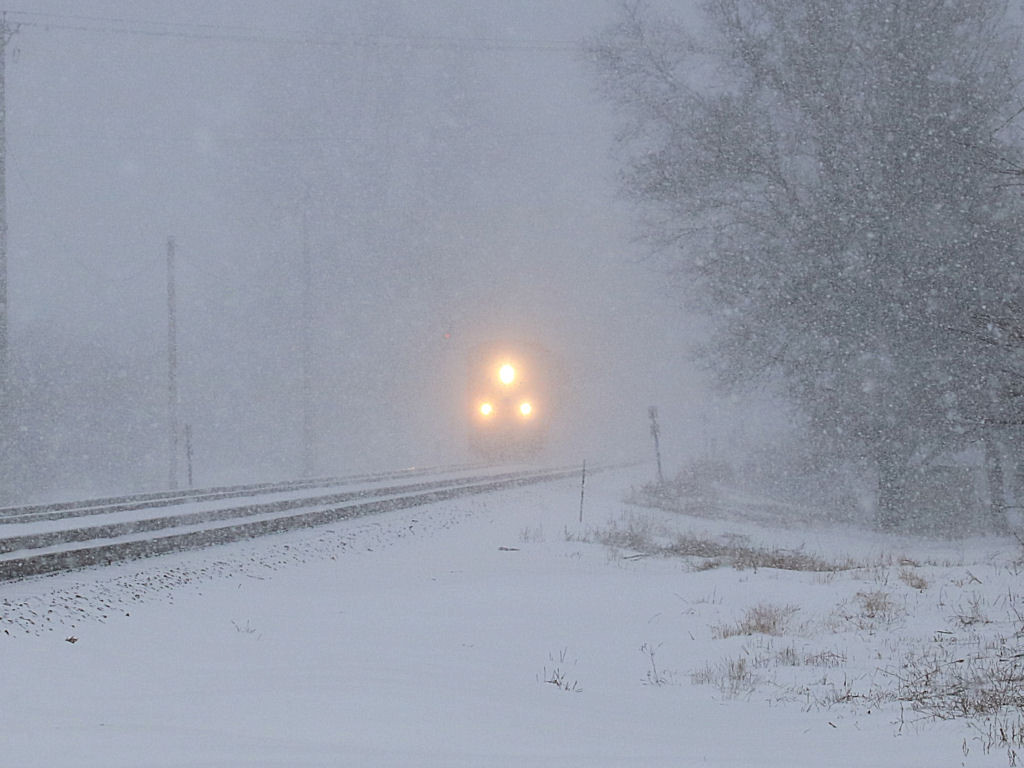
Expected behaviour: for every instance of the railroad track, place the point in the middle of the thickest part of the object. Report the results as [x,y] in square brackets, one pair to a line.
[46,539]
[160,499]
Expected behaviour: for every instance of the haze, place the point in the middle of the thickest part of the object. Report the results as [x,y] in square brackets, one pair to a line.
[446,168]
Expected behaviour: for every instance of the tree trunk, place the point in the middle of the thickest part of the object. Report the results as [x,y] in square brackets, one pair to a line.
[1016,470]
[996,486]
[892,489]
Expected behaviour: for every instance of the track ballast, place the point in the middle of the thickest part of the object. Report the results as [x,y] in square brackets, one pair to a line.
[48,539]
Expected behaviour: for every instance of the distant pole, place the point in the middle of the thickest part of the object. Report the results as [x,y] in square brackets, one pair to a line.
[172,371]
[583,484]
[655,432]
[307,343]
[188,452]
[5,35]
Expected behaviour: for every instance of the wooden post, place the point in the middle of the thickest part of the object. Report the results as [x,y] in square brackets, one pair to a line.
[583,483]
[655,431]
[188,452]
[172,372]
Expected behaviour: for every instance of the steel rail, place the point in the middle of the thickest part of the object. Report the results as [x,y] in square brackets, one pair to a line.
[157,499]
[276,518]
[39,540]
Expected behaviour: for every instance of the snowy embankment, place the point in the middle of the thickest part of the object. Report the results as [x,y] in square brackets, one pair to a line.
[499,631]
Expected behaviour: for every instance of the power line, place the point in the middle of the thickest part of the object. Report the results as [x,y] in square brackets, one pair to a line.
[81,136]
[66,17]
[241,34]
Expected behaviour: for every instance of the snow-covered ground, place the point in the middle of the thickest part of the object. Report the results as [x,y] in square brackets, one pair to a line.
[498,631]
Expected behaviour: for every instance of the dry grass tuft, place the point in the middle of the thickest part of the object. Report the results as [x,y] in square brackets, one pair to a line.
[877,604]
[762,619]
[790,657]
[638,534]
[913,579]
[870,611]
[733,677]
[946,686]
[743,557]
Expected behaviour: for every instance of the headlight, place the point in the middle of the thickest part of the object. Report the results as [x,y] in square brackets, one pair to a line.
[507,374]
[525,409]
[486,409]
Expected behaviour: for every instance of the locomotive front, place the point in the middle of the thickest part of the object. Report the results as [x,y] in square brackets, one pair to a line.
[510,400]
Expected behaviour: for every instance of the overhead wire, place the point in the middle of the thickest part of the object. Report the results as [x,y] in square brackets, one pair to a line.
[242,34]
[246,34]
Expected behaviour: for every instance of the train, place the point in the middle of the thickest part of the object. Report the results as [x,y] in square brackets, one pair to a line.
[511,398]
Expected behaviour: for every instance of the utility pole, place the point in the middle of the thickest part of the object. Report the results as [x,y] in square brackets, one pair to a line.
[172,370]
[5,34]
[307,343]
[655,432]
[583,484]
[188,453]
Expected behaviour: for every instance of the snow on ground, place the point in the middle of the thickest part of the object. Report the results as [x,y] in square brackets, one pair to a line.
[497,631]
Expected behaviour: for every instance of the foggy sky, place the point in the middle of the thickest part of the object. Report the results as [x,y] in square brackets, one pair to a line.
[459,187]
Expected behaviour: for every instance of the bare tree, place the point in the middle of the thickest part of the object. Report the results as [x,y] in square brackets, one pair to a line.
[819,172]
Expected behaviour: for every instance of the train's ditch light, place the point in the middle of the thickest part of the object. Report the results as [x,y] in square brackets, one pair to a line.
[525,409]
[486,409]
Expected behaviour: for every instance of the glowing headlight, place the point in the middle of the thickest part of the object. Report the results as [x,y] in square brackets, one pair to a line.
[507,374]
[486,409]
[525,409]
